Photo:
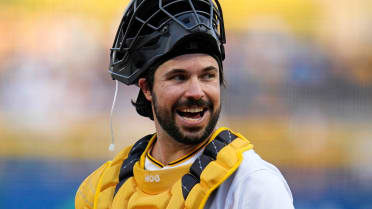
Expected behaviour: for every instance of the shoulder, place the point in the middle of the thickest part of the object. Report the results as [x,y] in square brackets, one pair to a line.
[87,191]
[261,181]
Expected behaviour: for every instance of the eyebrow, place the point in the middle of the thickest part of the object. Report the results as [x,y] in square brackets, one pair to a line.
[177,70]
[210,68]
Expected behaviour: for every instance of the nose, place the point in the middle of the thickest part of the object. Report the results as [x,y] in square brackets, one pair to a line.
[194,89]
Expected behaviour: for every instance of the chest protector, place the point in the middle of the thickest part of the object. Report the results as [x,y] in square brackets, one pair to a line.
[176,188]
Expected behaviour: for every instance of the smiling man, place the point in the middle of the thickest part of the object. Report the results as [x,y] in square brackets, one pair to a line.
[173,50]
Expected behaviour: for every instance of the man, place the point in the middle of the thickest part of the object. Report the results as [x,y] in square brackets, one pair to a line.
[173,50]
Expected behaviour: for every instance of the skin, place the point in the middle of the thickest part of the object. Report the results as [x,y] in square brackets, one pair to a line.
[183,78]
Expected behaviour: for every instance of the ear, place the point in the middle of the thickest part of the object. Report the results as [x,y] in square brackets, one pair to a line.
[145,88]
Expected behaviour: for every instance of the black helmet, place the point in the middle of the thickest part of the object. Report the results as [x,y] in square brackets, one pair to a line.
[154,30]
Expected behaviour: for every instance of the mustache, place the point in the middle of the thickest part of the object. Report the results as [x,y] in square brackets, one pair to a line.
[194,102]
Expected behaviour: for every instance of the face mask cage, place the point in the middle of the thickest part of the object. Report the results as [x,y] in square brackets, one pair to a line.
[145,17]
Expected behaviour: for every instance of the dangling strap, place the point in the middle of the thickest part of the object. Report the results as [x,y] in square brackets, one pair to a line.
[126,170]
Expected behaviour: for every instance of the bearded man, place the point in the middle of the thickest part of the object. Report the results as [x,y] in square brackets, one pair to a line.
[173,50]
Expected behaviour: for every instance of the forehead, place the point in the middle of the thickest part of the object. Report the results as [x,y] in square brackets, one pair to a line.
[188,62]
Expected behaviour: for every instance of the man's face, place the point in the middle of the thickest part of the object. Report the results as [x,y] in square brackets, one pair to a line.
[186,97]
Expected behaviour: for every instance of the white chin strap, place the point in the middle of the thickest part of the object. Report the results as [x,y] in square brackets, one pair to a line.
[112,145]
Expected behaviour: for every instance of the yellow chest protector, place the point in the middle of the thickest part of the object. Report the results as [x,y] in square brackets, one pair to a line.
[177,188]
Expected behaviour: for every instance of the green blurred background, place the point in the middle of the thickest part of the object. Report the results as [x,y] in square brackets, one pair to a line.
[299,86]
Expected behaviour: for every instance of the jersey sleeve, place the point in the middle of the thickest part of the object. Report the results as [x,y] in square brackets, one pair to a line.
[264,190]
[256,184]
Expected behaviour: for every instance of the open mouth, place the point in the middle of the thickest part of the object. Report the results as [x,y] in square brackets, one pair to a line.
[192,113]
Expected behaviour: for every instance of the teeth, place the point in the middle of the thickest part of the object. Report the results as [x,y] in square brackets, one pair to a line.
[191,119]
[192,110]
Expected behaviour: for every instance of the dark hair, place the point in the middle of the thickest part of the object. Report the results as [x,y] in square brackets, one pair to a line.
[143,106]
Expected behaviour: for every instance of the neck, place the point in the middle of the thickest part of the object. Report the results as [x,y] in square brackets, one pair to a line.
[166,149]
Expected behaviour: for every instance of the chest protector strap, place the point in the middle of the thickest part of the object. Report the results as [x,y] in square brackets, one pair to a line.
[126,170]
[219,160]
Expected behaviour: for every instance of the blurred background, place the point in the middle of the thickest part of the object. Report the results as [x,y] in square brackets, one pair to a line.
[299,86]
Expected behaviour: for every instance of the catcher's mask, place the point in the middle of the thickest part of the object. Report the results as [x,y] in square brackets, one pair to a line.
[153,31]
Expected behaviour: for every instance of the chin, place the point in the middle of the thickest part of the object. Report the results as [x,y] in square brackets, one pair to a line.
[193,136]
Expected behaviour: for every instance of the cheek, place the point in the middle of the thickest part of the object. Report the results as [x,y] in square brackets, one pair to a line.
[167,95]
[215,93]
[217,98]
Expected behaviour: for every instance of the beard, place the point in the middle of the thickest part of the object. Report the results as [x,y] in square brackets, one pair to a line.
[166,120]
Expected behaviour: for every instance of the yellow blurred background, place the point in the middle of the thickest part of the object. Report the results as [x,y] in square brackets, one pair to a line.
[299,86]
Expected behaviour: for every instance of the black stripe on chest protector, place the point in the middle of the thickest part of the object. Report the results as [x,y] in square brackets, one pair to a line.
[209,154]
[126,170]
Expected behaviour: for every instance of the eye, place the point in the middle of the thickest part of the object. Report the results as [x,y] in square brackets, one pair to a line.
[209,76]
[178,77]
